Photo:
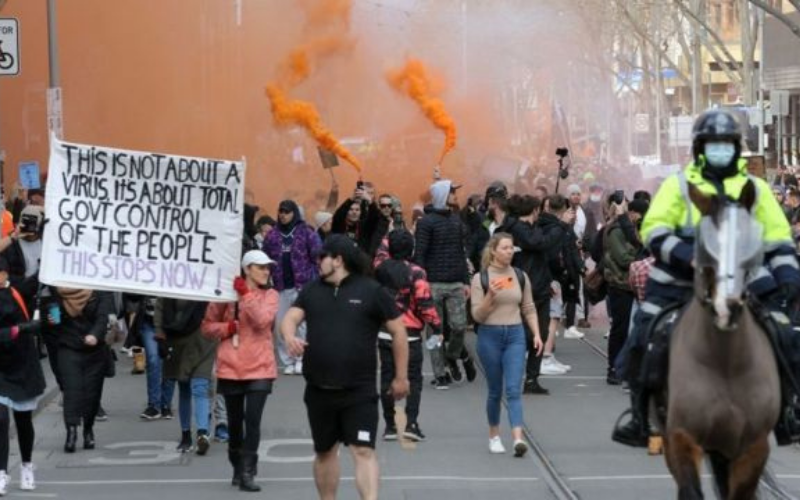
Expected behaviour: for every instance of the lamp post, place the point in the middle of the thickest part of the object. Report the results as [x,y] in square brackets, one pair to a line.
[54,111]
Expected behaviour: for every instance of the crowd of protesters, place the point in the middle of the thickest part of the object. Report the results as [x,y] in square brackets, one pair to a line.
[509,266]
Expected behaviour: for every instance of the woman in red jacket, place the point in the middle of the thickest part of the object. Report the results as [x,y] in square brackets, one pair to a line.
[245,361]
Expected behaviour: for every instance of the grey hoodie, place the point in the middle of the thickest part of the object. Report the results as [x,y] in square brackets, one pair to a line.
[440,190]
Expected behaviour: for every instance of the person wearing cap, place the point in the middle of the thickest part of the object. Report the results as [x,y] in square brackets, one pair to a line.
[246,366]
[294,246]
[440,243]
[618,255]
[22,381]
[323,221]
[345,310]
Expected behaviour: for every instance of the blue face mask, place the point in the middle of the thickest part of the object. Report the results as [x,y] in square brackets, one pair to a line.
[719,154]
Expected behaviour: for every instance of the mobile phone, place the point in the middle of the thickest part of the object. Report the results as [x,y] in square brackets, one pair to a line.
[503,283]
[360,185]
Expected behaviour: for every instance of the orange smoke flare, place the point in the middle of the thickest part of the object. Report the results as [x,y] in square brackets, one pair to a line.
[287,112]
[300,65]
[413,80]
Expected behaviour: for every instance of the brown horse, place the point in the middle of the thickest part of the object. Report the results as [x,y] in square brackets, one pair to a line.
[723,393]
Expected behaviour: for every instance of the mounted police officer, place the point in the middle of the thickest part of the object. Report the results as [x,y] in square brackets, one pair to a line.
[668,231]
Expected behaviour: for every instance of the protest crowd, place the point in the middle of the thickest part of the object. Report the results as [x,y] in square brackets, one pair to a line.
[517,263]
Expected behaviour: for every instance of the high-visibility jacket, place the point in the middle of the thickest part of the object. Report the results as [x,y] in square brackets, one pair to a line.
[668,230]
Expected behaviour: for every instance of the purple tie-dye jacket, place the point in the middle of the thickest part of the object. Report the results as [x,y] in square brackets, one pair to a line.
[305,249]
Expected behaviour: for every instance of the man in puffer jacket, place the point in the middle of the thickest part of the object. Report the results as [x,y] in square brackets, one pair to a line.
[441,240]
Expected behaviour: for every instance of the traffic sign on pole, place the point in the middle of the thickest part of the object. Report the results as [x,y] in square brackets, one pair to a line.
[9,47]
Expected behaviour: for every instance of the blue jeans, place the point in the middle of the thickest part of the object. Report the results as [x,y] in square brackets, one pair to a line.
[501,350]
[197,389]
[159,391]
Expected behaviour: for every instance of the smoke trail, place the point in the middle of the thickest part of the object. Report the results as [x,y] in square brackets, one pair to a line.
[414,81]
[300,65]
[296,112]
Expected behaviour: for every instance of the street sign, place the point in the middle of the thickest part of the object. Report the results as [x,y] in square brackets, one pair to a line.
[29,174]
[55,116]
[9,47]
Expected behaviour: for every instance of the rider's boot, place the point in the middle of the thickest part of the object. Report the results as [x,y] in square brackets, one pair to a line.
[635,431]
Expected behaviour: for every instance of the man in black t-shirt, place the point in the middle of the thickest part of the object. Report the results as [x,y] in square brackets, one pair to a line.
[343,311]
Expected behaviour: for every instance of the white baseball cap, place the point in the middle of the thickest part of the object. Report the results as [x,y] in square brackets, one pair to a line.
[256,257]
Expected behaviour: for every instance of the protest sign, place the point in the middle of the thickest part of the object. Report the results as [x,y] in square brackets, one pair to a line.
[140,222]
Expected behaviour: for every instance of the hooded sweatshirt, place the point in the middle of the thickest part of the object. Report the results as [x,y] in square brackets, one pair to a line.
[294,246]
[440,190]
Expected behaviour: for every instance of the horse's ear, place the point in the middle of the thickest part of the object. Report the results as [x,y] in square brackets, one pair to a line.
[706,204]
[747,198]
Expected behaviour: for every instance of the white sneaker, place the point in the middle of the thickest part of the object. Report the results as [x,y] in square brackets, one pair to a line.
[4,479]
[559,363]
[289,370]
[298,368]
[26,479]
[573,333]
[496,445]
[550,368]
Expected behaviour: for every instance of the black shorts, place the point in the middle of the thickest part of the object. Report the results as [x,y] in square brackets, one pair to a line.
[341,416]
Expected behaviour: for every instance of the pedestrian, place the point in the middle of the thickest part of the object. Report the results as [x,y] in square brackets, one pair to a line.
[246,365]
[21,380]
[344,311]
[293,245]
[188,358]
[409,285]
[498,311]
[79,319]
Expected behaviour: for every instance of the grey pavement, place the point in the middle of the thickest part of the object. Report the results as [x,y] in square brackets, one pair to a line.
[137,459]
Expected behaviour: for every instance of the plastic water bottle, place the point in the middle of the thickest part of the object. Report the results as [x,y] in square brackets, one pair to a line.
[433,342]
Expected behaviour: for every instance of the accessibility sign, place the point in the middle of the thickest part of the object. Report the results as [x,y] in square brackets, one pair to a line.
[9,47]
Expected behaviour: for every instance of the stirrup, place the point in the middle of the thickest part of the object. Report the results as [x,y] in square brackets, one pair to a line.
[618,429]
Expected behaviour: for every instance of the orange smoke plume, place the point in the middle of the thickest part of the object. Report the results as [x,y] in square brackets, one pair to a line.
[288,112]
[300,65]
[414,81]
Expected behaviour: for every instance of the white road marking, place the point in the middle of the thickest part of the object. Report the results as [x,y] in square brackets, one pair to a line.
[292,480]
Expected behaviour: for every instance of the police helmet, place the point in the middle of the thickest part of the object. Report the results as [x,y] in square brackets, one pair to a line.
[716,125]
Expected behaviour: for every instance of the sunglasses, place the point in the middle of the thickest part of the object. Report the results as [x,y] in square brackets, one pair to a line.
[386,205]
[284,211]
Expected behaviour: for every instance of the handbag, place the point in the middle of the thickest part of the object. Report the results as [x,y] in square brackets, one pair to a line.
[594,285]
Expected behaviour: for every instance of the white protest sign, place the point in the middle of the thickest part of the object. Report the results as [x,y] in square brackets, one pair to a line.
[140,222]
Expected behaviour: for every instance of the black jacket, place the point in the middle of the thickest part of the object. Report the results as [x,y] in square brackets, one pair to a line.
[440,248]
[532,258]
[27,287]
[564,259]
[21,376]
[365,229]
[71,332]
